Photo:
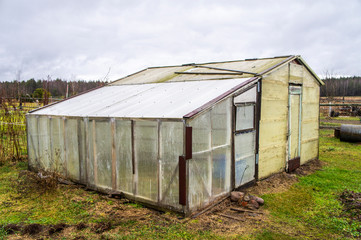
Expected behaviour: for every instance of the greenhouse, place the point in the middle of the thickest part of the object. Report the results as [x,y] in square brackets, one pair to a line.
[183,143]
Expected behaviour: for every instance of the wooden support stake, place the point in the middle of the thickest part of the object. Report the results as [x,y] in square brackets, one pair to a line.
[245,210]
[231,217]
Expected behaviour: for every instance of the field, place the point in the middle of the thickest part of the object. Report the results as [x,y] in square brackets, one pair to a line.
[320,200]
[343,110]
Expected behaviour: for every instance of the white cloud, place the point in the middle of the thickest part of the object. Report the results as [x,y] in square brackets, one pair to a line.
[86,38]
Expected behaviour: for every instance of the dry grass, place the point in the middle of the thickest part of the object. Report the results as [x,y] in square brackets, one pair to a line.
[12,131]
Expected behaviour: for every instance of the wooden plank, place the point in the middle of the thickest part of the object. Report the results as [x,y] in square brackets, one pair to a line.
[245,210]
[188,143]
[231,217]
[182,181]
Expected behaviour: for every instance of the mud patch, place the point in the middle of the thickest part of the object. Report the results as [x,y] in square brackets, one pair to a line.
[32,229]
[101,227]
[80,226]
[12,228]
[281,182]
[351,202]
[57,228]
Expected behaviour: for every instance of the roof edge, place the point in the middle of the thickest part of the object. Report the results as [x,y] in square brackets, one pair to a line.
[65,99]
[289,59]
[220,97]
[310,70]
[239,60]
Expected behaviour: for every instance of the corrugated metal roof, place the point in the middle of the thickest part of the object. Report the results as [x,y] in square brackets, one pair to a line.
[158,100]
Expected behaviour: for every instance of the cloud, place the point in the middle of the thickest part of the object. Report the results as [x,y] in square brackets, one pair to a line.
[86,38]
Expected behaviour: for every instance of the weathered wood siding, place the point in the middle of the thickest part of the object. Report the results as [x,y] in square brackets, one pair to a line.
[273,122]
[310,118]
[273,143]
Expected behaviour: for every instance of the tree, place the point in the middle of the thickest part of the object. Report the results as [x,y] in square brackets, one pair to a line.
[41,93]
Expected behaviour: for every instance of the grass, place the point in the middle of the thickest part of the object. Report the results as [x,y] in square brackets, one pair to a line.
[310,209]
[349,118]
[330,124]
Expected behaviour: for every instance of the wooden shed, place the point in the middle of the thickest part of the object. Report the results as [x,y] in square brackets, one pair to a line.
[181,137]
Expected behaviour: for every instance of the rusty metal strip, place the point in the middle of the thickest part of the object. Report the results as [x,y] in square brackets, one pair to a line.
[244,130]
[188,143]
[257,121]
[278,64]
[159,165]
[224,69]
[213,101]
[293,164]
[182,181]
[208,73]
[114,156]
[233,162]
[133,151]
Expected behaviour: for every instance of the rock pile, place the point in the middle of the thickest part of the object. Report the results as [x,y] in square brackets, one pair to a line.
[246,200]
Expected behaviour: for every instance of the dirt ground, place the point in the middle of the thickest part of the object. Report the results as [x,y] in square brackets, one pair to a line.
[220,219]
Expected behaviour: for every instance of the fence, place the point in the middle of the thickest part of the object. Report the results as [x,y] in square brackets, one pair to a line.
[13,141]
[348,106]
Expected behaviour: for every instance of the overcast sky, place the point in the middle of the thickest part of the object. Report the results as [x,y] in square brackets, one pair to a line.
[83,39]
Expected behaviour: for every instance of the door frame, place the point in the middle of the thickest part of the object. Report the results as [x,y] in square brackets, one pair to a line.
[256,124]
[294,163]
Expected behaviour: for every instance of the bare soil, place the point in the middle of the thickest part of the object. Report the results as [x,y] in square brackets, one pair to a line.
[220,219]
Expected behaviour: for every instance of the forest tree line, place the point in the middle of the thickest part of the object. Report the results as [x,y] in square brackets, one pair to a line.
[341,86]
[33,89]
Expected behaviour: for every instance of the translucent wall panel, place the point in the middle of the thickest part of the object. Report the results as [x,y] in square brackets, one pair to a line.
[171,147]
[200,178]
[221,115]
[244,146]
[33,144]
[248,96]
[44,143]
[71,146]
[221,170]
[245,117]
[200,166]
[82,150]
[57,146]
[91,135]
[201,133]
[146,157]
[123,146]
[212,132]
[221,147]
[103,150]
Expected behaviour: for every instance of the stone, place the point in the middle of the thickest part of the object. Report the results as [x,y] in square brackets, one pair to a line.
[235,196]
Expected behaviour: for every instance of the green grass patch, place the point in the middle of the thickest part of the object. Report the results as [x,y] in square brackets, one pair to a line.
[349,118]
[330,124]
[50,207]
[311,207]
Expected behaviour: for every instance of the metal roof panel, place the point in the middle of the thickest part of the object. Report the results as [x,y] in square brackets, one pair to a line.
[157,100]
